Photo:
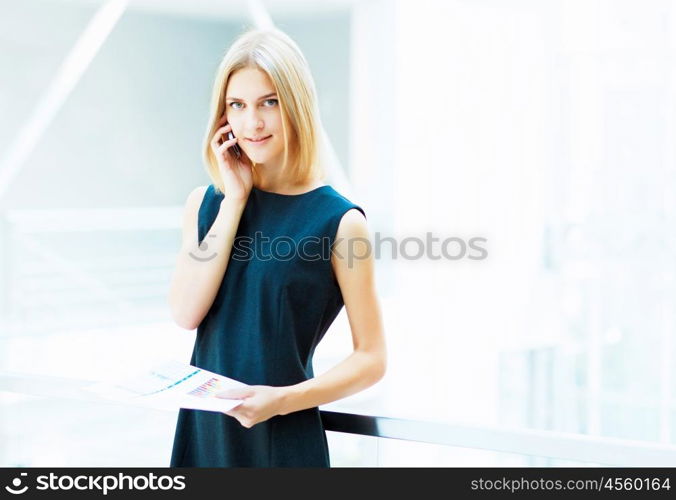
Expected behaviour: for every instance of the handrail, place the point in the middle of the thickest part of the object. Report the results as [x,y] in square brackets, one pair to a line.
[558,445]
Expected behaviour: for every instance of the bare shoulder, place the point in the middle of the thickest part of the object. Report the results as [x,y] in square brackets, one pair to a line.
[195,198]
[352,256]
[198,192]
[192,205]
[353,218]
[353,225]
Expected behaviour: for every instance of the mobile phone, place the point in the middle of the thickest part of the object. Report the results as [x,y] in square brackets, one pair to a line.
[236,152]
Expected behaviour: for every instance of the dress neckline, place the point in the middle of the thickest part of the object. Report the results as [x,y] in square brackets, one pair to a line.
[254,188]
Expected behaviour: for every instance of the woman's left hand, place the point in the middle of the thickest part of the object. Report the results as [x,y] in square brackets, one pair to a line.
[261,402]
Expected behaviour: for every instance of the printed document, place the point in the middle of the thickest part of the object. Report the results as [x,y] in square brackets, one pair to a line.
[170,386]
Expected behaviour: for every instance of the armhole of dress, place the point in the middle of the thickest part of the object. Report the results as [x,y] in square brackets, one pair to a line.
[201,214]
[335,224]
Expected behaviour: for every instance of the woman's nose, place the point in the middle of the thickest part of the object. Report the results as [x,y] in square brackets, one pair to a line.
[254,121]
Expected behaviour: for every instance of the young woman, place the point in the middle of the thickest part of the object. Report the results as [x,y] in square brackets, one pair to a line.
[270,255]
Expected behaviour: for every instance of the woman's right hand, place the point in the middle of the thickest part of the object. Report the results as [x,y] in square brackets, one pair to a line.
[237,175]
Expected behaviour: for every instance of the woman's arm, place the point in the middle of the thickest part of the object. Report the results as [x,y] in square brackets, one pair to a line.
[353,265]
[198,274]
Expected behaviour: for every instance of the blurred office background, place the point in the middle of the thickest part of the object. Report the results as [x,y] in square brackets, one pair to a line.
[545,127]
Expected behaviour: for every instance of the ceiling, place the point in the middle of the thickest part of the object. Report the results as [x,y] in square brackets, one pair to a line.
[227,9]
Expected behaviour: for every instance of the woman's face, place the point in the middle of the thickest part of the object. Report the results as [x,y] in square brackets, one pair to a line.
[252,108]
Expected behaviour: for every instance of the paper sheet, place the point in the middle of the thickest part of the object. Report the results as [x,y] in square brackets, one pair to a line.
[170,386]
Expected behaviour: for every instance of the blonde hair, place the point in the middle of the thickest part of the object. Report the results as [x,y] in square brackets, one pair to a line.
[276,54]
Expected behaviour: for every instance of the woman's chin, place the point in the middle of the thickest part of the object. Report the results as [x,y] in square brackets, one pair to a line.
[258,158]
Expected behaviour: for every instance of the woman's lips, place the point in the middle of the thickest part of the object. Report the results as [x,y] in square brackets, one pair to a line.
[262,141]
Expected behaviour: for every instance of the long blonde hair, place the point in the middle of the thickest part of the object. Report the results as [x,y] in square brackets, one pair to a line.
[276,54]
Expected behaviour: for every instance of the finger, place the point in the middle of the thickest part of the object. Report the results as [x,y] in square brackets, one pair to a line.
[222,136]
[243,421]
[235,393]
[217,144]
[237,411]
[227,394]
[221,130]
[227,144]
[220,133]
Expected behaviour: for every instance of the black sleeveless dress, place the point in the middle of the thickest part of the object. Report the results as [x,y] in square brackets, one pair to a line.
[278,297]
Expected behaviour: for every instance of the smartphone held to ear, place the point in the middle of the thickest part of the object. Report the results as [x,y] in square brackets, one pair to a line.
[236,152]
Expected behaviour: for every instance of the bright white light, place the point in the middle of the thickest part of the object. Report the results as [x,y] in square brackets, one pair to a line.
[70,72]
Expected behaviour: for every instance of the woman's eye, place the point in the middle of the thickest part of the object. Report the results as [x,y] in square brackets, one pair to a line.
[268,103]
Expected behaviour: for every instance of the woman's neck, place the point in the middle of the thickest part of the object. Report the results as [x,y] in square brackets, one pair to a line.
[282,185]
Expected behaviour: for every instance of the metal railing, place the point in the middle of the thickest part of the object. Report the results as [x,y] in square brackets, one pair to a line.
[557,445]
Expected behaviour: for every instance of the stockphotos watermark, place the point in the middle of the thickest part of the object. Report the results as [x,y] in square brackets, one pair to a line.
[102,484]
[311,248]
